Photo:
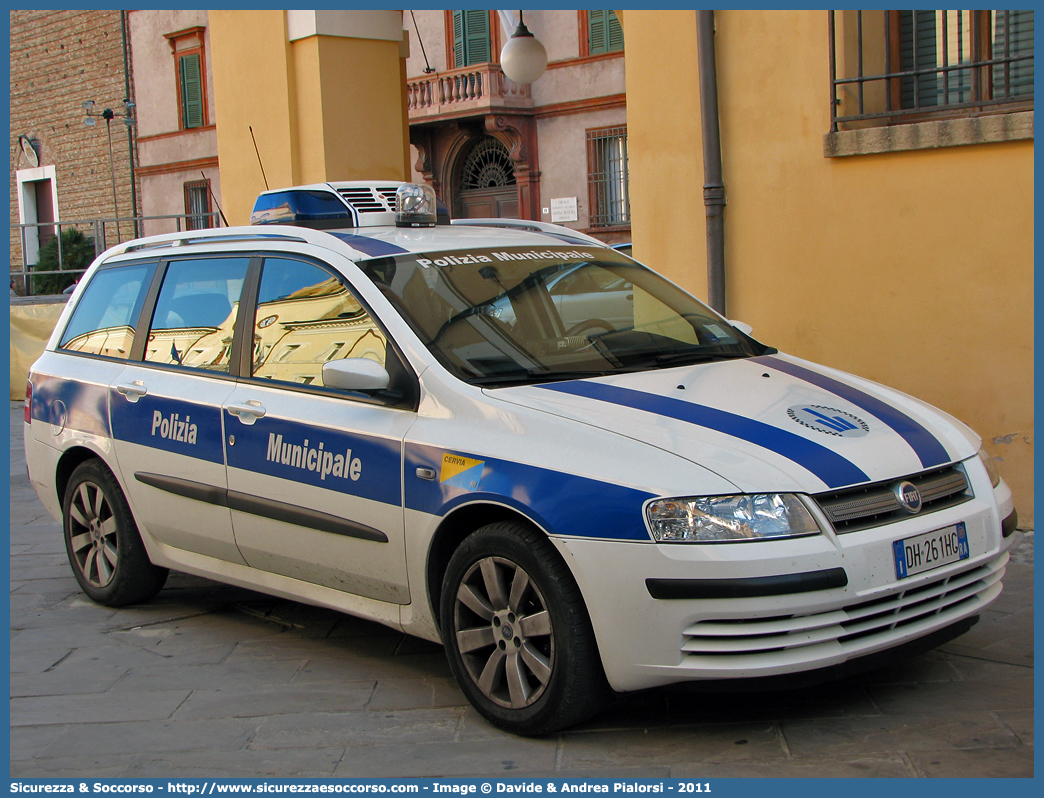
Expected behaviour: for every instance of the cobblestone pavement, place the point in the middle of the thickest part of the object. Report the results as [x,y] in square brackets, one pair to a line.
[208,680]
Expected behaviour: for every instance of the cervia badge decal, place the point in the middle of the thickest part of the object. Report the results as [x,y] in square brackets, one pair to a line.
[461,472]
[828,420]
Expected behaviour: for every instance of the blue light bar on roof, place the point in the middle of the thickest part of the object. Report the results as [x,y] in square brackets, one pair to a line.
[304,208]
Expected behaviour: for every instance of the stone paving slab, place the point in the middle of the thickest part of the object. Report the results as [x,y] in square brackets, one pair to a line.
[30,742]
[863,767]
[149,738]
[296,763]
[1020,721]
[722,742]
[983,762]
[506,756]
[240,702]
[344,729]
[95,708]
[940,700]
[209,680]
[885,734]
[101,767]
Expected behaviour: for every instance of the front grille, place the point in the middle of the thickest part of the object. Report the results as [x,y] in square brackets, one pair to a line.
[856,626]
[852,509]
[370,200]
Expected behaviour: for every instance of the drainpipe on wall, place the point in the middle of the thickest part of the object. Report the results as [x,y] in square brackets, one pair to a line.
[130,132]
[713,184]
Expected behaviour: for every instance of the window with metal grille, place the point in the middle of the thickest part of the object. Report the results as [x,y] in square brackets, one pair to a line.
[197,205]
[607,177]
[604,33]
[471,39]
[892,65]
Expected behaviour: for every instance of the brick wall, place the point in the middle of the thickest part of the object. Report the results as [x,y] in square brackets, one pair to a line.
[59,59]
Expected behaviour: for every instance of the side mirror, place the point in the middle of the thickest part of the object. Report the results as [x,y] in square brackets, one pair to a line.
[355,374]
[742,326]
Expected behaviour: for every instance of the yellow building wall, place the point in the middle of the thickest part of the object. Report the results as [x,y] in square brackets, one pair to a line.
[664,145]
[254,88]
[321,108]
[914,269]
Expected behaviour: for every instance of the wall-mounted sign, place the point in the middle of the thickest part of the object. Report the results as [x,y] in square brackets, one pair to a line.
[29,151]
[563,209]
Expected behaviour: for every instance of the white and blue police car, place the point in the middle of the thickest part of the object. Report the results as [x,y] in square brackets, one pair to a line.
[503,436]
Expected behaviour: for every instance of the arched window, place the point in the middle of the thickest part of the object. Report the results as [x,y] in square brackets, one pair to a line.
[487,165]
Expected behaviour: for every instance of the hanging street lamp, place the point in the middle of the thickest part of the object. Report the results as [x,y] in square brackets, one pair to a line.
[523,58]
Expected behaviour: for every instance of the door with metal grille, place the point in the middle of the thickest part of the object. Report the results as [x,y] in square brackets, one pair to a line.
[487,183]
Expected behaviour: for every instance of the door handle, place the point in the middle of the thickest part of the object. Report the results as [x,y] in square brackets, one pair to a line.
[249,412]
[134,391]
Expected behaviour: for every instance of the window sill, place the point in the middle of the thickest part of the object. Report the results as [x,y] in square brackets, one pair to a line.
[930,135]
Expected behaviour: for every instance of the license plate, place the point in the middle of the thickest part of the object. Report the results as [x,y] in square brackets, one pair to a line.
[930,550]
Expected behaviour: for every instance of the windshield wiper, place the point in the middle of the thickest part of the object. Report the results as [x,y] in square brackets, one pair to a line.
[698,356]
[533,377]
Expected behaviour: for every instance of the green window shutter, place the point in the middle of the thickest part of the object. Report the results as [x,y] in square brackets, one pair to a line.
[1013,37]
[471,38]
[604,34]
[596,31]
[478,37]
[458,38]
[191,91]
[917,34]
[616,40]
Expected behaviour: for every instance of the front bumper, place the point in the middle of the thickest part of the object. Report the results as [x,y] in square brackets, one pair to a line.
[768,608]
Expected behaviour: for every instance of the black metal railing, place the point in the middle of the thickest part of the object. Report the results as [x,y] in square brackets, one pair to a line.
[28,241]
[888,66]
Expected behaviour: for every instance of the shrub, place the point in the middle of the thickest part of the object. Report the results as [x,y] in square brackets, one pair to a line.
[77,253]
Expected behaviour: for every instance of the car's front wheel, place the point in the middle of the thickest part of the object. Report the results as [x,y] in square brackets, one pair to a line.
[517,633]
[105,550]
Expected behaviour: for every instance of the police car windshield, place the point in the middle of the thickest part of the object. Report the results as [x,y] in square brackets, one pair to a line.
[515,316]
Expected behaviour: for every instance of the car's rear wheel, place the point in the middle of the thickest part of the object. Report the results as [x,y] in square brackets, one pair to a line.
[105,550]
[517,633]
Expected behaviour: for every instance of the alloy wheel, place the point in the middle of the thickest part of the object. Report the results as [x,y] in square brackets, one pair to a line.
[93,534]
[503,632]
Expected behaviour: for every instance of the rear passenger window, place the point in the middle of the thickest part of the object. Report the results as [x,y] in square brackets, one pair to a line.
[195,312]
[104,320]
[306,317]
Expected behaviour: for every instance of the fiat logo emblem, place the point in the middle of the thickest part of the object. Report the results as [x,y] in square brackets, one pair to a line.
[909,497]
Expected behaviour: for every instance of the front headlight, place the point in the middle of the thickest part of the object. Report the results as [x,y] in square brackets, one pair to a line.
[990,465]
[722,519]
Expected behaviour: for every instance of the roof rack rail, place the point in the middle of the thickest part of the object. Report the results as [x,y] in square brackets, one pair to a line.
[535,227]
[184,241]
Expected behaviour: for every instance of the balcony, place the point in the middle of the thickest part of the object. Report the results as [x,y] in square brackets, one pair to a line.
[467,91]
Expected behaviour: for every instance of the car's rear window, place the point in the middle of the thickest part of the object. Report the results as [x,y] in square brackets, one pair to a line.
[105,317]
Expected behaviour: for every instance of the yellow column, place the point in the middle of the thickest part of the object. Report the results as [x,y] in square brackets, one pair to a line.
[323,91]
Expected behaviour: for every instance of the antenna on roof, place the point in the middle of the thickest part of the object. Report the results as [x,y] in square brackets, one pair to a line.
[214,198]
[258,156]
